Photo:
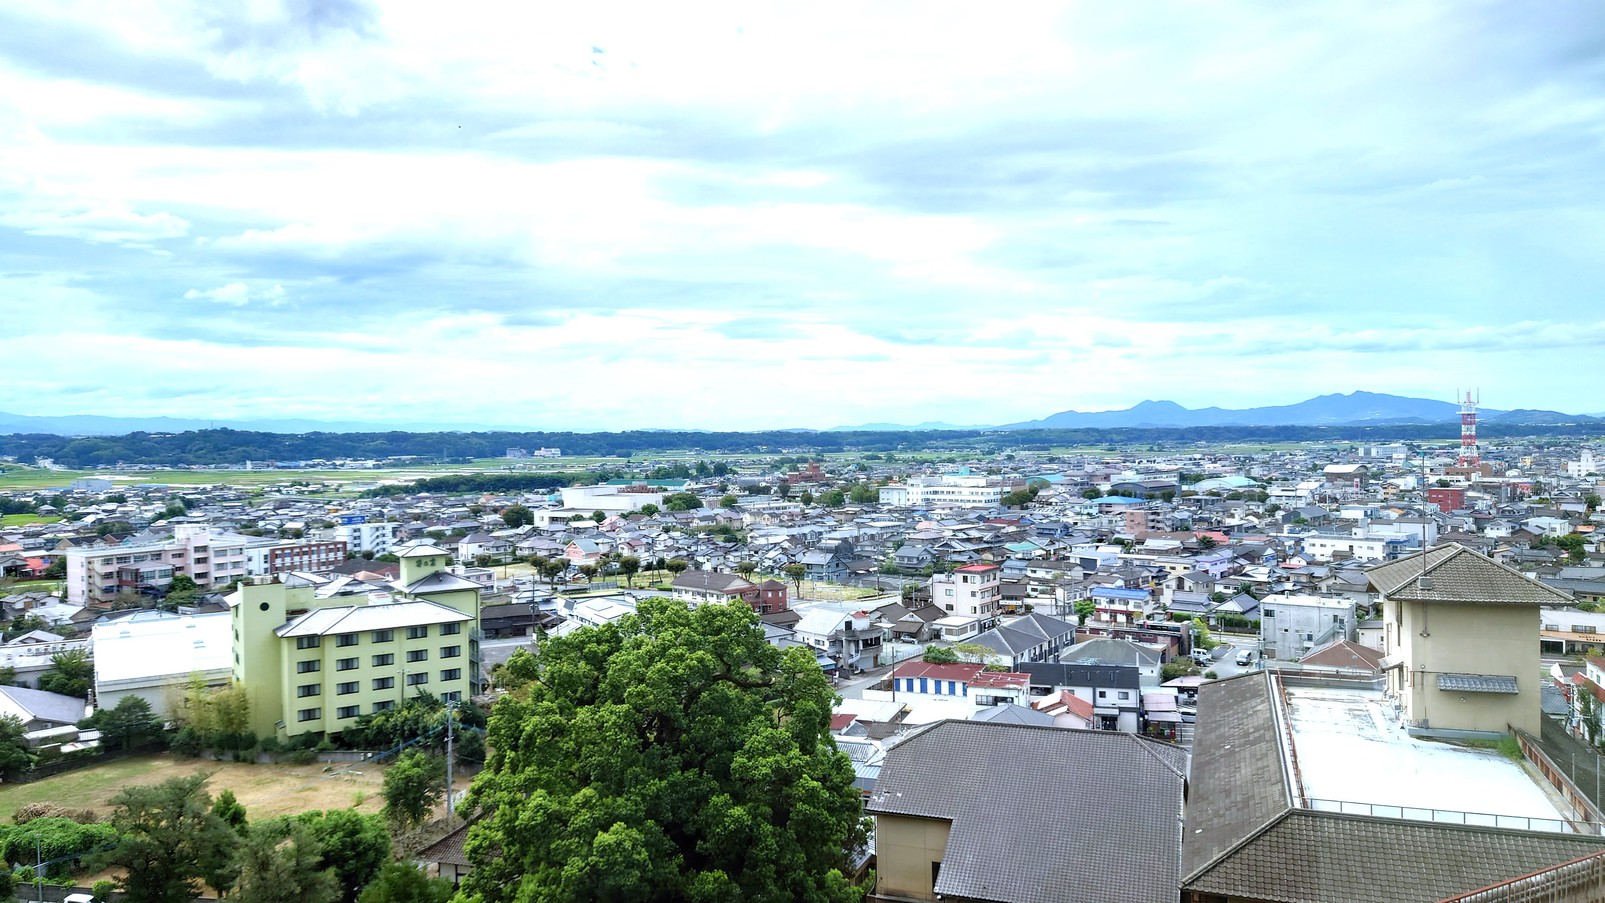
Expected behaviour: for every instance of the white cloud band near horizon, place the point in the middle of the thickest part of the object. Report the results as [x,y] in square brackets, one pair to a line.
[747,216]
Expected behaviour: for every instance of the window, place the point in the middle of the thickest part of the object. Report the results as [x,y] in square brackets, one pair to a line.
[306,690]
[346,639]
[384,705]
[345,664]
[383,636]
[347,688]
[309,714]
[422,677]
[454,696]
[383,683]
[348,711]
[306,667]
[418,655]
[417,633]
[452,674]
[380,661]
[308,642]
[450,651]
[450,629]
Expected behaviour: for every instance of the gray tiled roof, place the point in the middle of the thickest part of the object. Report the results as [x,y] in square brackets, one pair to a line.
[1242,839]
[1477,683]
[1323,857]
[1082,674]
[1011,841]
[1238,781]
[1459,574]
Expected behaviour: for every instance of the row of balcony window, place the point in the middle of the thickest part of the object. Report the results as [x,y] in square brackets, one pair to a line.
[345,712]
[384,659]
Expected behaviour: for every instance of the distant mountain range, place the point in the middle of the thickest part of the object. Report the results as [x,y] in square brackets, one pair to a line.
[1326,410]
[96,425]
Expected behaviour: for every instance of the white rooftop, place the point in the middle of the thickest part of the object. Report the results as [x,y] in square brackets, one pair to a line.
[143,648]
[377,616]
[1351,748]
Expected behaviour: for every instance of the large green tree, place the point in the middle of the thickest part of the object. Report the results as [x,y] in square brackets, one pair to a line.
[170,841]
[281,862]
[126,725]
[401,882]
[412,787]
[16,757]
[71,674]
[674,755]
[356,846]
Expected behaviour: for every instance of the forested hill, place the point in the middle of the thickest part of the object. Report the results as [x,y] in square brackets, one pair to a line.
[224,446]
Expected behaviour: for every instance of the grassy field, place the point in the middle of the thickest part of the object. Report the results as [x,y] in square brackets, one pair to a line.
[21,520]
[28,586]
[264,790]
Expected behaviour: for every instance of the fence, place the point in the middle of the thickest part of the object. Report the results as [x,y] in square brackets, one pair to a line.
[1456,817]
[75,761]
[1557,757]
[1580,881]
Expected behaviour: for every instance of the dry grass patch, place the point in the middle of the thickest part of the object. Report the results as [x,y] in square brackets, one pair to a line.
[264,790]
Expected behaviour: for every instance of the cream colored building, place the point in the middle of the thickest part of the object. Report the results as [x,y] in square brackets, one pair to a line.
[1460,634]
[314,664]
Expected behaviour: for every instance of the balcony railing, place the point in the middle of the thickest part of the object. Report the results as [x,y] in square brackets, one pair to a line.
[1456,817]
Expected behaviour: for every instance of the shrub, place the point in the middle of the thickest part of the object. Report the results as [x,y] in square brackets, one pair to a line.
[102,890]
[301,756]
[187,742]
[31,811]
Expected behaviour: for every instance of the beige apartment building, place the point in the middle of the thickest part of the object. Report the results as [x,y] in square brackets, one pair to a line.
[314,664]
[1461,640]
[97,574]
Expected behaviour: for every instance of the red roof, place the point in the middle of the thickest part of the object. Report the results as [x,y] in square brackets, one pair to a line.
[961,671]
[1067,701]
[842,722]
[975,569]
[1000,679]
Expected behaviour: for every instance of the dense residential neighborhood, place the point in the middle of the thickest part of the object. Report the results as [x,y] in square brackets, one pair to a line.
[1015,608]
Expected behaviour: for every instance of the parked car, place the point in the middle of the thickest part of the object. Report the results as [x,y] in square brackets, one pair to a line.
[1245,657]
[1202,659]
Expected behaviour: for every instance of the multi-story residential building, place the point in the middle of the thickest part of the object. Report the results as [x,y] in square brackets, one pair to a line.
[703,587]
[315,664]
[267,558]
[1458,634]
[1292,625]
[852,640]
[1327,546]
[974,590]
[363,535]
[953,490]
[97,574]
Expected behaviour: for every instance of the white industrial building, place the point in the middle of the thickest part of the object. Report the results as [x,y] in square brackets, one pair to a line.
[152,654]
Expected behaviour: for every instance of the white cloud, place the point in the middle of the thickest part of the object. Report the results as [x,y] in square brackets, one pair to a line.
[810,215]
[112,224]
[238,294]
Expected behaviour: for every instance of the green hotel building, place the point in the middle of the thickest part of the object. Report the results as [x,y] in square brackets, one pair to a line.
[313,663]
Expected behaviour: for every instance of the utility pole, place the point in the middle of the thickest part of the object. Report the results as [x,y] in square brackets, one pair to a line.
[450,717]
[38,867]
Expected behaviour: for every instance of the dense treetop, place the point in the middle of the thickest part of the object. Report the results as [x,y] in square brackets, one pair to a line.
[226,446]
[674,755]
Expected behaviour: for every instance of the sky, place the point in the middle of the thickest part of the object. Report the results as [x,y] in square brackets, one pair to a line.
[601,216]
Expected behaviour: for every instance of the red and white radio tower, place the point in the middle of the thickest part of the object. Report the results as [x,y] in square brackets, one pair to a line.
[1468,433]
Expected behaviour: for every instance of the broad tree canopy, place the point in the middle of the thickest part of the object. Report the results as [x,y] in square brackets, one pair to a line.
[674,755]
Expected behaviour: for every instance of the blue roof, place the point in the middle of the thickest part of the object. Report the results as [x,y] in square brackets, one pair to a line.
[1116,592]
[1119,500]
